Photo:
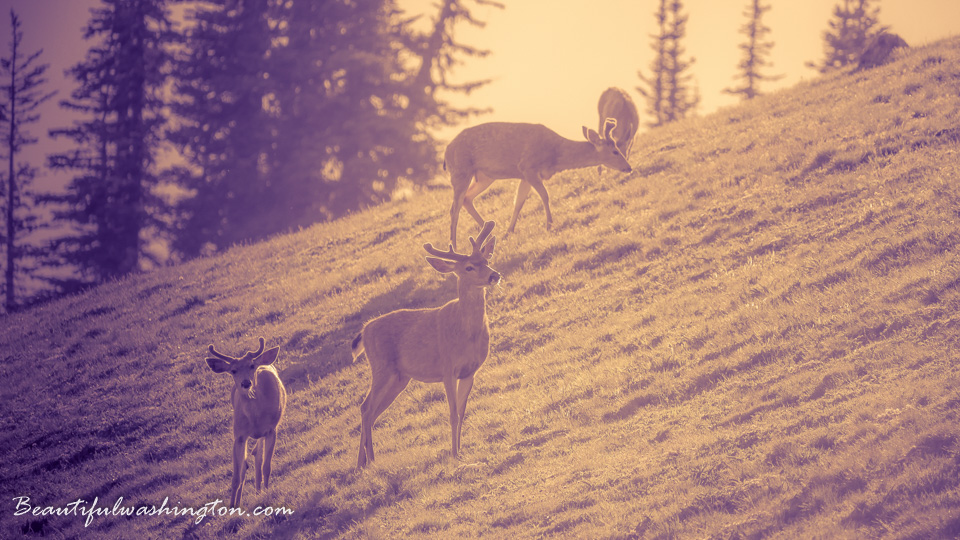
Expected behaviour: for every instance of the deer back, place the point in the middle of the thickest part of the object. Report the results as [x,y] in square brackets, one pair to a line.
[498,148]
[617,104]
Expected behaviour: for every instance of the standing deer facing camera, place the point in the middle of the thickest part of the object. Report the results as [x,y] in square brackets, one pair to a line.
[616,105]
[447,344]
[259,399]
[481,154]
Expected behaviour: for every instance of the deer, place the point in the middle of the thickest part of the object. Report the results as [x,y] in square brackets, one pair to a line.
[484,153]
[446,344]
[259,399]
[879,49]
[616,104]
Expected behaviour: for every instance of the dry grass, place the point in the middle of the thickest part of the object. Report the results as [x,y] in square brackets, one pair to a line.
[755,334]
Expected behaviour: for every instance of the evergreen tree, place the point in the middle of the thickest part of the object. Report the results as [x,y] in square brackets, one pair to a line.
[290,113]
[21,97]
[754,52]
[343,102]
[110,202]
[668,89]
[680,98]
[854,23]
[439,53]
[653,90]
[223,81]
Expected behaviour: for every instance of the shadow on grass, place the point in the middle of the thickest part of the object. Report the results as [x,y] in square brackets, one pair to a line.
[330,352]
[316,518]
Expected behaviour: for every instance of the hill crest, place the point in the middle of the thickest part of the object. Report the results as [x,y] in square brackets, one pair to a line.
[752,334]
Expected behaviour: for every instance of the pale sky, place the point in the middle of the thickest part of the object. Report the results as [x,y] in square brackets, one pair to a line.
[551,59]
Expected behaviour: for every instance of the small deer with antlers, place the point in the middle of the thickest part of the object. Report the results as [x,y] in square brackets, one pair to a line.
[481,154]
[616,104]
[259,399]
[447,344]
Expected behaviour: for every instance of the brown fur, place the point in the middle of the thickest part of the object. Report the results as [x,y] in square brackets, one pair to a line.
[482,154]
[617,104]
[259,399]
[880,49]
[447,344]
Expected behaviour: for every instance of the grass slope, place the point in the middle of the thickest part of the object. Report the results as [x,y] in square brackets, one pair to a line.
[754,334]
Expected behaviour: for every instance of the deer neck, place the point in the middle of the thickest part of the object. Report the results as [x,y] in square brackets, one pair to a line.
[576,155]
[472,306]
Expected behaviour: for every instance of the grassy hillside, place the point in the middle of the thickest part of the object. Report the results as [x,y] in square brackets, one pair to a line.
[754,334]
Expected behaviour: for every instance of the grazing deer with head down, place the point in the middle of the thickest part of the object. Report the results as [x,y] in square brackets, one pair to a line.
[447,344]
[616,104]
[259,399]
[481,154]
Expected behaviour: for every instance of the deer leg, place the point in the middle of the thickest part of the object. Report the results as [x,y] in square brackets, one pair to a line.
[239,470]
[378,383]
[523,191]
[455,216]
[268,445]
[258,463]
[463,391]
[366,427]
[383,391]
[461,185]
[545,197]
[450,385]
[476,188]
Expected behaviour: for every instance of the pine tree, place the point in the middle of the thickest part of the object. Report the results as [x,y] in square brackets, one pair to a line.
[343,102]
[854,23]
[680,98]
[754,52]
[223,79]
[668,89]
[292,113]
[655,84]
[110,202]
[21,97]
[439,53]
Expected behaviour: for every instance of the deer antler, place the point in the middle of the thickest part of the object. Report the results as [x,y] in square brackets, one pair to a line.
[249,354]
[259,351]
[481,238]
[608,126]
[221,355]
[449,255]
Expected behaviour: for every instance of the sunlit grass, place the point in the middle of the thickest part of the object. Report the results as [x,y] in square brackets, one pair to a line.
[754,334]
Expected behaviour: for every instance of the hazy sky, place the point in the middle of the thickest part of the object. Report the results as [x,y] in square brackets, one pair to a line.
[551,59]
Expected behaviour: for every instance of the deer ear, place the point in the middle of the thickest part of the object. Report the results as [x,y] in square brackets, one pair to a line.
[218,365]
[440,265]
[592,136]
[269,357]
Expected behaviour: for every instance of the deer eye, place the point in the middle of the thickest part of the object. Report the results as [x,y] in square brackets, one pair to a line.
[469,269]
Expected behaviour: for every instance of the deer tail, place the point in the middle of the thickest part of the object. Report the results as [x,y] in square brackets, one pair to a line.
[357,346]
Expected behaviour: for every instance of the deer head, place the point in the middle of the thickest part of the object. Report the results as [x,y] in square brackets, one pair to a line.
[244,368]
[473,269]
